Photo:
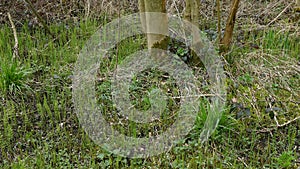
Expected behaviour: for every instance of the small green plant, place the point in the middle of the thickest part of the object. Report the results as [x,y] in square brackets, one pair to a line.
[246,79]
[13,77]
[286,159]
[181,52]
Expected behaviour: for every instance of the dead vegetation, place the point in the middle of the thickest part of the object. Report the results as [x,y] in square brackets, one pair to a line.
[255,13]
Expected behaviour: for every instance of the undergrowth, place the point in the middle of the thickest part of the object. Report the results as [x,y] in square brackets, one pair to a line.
[39,128]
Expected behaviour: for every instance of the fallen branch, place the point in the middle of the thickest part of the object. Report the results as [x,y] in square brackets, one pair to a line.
[16,46]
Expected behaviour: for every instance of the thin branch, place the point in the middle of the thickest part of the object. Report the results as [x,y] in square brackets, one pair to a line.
[16,46]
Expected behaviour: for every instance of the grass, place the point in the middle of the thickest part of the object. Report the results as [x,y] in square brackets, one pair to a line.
[39,128]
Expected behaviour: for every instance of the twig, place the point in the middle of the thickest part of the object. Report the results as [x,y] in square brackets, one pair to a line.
[87,9]
[287,123]
[200,95]
[265,130]
[16,47]
[241,160]
[269,6]
[279,14]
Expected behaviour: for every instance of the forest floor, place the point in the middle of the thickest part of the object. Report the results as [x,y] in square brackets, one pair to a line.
[39,128]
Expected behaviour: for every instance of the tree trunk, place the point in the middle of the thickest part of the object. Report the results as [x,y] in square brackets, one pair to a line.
[154,22]
[297,6]
[226,41]
[191,12]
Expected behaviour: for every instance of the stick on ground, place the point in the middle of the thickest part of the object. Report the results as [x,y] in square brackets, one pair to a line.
[16,46]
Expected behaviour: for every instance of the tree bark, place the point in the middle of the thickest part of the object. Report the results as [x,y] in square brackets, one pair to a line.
[191,12]
[154,22]
[297,6]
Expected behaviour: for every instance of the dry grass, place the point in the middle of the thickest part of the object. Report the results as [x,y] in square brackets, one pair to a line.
[275,85]
[251,12]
